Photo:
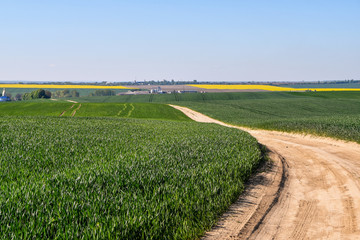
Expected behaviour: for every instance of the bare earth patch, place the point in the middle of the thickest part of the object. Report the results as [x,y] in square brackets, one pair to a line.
[312,190]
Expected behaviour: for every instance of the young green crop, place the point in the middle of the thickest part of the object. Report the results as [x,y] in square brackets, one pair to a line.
[33,108]
[69,109]
[130,110]
[326,114]
[117,178]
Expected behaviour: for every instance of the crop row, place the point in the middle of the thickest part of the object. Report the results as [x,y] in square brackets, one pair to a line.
[332,117]
[118,178]
[67,109]
[342,127]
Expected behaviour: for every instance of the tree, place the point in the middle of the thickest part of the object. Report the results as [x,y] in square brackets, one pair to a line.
[47,94]
[66,93]
[75,93]
[39,93]
[106,92]
[26,96]
[18,97]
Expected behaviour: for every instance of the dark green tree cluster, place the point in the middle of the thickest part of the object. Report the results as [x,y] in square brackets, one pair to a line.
[40,93]
[18,97]
[66,93]
[105,92]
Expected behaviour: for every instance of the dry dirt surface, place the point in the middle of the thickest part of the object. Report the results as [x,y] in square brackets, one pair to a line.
[311,190]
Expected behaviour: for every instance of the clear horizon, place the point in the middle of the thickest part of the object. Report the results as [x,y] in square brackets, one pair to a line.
[240,82]
[233,41]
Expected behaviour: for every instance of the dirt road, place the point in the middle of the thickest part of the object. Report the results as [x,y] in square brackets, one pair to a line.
[312,190]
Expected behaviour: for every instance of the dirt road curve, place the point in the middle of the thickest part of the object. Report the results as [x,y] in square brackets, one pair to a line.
[312,191]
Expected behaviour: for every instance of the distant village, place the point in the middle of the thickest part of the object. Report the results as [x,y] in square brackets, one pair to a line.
[158,90]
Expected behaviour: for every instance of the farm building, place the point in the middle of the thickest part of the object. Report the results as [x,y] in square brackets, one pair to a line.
[3,97]
[156,90]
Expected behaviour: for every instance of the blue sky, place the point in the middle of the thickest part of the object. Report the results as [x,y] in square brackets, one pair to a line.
[228,40]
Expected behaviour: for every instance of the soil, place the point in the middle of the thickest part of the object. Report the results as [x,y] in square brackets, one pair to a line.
[311,190]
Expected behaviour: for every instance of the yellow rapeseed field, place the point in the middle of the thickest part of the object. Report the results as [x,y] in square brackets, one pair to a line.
[59,86]
[269,88]
[244,87]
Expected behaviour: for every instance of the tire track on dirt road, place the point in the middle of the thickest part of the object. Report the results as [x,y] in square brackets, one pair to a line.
[320,198]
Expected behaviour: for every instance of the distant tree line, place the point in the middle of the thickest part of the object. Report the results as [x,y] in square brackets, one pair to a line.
[163,82]
[66,93]
[318,82]
[106,92]
[145,82]
[39,93]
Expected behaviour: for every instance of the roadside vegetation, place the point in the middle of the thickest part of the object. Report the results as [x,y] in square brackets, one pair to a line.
[117,178]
